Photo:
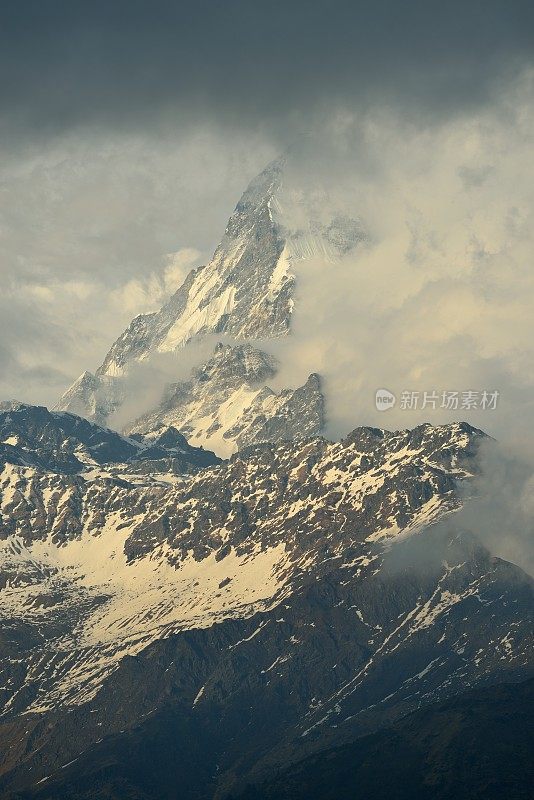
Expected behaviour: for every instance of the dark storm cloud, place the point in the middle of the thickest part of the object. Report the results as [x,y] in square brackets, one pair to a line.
[248,62]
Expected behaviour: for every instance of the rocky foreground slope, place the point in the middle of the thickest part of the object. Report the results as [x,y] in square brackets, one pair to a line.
[475,747]
[245,614]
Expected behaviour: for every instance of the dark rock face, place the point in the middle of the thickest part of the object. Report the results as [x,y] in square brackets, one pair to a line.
[32,436]
[475,746]
[189,638]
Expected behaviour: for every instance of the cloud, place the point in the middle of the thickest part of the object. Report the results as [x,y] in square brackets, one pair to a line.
[31,349]
[497,513]
[146,381]
[440,295]
[143,295]
[133,66]
[501,510]
[128,131]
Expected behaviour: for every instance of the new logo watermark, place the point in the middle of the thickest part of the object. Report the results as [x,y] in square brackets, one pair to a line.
[384,399]
[449,400]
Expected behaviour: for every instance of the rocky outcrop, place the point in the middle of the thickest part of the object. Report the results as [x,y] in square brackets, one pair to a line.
[227,404]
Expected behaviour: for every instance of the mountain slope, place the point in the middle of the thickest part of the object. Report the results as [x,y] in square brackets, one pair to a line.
[246,614]
[255,605]
[230,705]
[475,747]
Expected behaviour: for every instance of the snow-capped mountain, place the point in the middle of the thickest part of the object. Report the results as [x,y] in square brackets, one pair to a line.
[227,402]
[177,625]
[246,294]
[251,605]
[94,397]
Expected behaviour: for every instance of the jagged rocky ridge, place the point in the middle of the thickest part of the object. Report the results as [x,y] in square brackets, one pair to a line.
[245,293]
[58,442]
[227,401]
[250,611]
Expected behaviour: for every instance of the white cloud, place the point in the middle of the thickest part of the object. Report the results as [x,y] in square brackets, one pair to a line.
[442,295]
[143,295]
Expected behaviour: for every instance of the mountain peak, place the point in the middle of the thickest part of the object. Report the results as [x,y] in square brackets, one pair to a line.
[244,294]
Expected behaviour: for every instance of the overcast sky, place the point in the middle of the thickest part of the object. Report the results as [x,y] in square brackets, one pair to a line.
[131,65]
[128,130]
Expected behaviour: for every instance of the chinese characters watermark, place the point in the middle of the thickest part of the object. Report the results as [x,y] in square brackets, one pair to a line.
[469,400]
